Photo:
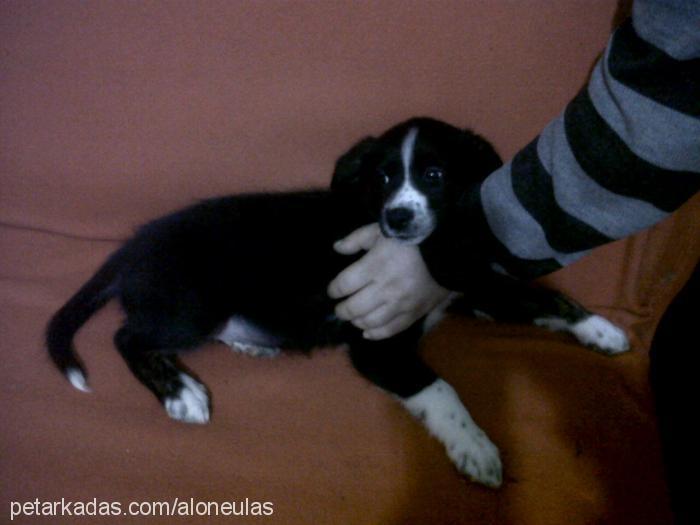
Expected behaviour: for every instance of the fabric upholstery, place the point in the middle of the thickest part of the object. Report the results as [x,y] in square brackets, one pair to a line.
[114,113]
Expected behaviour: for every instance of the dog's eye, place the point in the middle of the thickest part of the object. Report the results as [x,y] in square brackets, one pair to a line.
[384,177]
[433,174]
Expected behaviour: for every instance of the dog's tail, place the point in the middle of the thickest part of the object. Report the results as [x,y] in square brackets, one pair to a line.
[92,296]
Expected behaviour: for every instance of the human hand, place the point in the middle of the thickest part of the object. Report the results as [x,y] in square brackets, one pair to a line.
[388,289]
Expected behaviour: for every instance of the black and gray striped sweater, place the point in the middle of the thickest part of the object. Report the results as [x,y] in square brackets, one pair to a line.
[622,156]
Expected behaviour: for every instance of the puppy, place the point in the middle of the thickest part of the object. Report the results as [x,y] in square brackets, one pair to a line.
[252,271]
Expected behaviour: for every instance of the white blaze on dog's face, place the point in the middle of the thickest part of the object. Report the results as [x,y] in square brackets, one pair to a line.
[407,213]
[412,178]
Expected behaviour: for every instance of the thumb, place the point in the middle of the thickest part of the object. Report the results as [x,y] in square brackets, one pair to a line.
[361,239]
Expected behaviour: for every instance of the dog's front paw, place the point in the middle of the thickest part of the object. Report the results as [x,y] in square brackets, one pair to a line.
[601,334]
[444,415]
[190,404]
[476,457]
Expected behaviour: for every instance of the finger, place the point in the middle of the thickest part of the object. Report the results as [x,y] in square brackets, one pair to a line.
[351,280]
[393,327]
[377,318]
[360,304]
[361,239]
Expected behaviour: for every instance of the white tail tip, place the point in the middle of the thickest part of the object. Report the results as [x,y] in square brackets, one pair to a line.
[77,379]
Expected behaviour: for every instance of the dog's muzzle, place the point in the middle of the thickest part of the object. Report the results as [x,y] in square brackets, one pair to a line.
[405,224]
[399,219]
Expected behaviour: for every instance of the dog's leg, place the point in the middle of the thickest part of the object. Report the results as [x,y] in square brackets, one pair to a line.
[591,330]
[506,299]
[396,368]
[183,397]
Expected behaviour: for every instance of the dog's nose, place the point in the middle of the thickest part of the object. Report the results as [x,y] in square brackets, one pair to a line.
[399,218]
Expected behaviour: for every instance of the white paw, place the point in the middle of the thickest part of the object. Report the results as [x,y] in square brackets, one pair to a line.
[191,404]
[444,415]
[475,456]
[598,332]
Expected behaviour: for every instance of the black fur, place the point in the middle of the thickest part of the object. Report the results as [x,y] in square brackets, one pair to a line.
[265,257]
[268,259]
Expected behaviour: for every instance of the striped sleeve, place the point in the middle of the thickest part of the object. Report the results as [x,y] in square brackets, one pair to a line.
[623,155]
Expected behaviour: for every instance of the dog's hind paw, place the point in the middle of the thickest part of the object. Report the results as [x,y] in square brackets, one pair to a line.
[190,404]
[601,334]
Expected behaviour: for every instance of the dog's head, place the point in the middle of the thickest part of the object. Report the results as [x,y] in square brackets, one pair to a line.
[412,176]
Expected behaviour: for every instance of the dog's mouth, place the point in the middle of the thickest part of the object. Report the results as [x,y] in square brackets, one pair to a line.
[407,224]
[407,235]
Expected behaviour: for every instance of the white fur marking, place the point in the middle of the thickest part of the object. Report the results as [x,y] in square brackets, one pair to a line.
[255,351]
[601,334]
[77,379]
[441,411]
[409,197]
[500,269]
[483,316]
[407,147]
[246,338]
[191,404]
[594,331]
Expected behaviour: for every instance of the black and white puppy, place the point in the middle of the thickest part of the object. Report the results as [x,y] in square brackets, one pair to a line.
[252,271]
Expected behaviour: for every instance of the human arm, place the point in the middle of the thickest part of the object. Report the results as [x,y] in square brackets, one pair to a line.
[623,155]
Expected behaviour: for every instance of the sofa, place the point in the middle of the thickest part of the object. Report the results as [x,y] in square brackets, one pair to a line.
[115,112]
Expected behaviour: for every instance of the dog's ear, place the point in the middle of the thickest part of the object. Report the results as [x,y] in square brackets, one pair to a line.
[480,155]
[349,167]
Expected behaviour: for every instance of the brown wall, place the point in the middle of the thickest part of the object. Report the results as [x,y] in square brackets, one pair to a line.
[114,112]
[144,106]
